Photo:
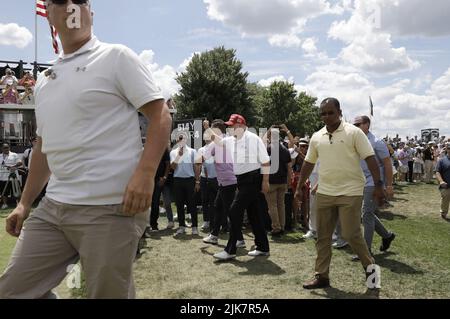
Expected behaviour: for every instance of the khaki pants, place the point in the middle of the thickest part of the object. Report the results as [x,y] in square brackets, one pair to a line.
[58,235]
[429,165]
[348,210]
[275,203]
[445,201]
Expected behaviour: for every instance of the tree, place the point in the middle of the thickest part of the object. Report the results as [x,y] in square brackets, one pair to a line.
[214,86]
[281,104]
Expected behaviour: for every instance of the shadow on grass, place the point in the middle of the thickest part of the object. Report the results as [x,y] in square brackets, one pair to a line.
[259,266]
[287,239]
[335,293]
[389,215]
[395,266]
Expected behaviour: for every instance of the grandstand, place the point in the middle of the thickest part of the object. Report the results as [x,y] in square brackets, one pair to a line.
[17,121]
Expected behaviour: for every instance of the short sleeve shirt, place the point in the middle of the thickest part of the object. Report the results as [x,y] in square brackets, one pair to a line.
[381,152]
[87,117]
[340,153]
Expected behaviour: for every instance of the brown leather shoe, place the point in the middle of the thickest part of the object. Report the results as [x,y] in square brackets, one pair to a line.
[317,283]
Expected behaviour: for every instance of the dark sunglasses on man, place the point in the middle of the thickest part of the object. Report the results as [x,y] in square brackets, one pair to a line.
[63,2]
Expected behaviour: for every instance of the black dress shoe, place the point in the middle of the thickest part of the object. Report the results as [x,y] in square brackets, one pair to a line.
[386,242]
[318,282]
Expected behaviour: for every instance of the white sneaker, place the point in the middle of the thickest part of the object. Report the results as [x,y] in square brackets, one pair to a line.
[255,253]
[340,243]
[223,255]
[4,206]
[211,239]
[205,226]
[181,230]
[240,244]
[310,235]
[194,231]
[170,225]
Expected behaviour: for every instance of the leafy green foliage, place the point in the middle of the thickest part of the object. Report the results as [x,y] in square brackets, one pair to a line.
[214,86]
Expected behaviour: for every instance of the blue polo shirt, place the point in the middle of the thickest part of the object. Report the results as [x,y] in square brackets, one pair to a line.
[443,167]
[185,169]
[381,152]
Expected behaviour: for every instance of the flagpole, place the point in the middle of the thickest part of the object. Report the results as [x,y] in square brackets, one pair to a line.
[35,40]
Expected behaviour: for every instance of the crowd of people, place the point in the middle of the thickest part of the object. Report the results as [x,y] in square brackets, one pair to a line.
[17,91]
[104,186]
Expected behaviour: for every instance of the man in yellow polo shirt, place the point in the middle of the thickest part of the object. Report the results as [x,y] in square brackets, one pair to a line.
[339,146]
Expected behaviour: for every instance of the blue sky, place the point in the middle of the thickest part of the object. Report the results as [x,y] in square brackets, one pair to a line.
[327,47]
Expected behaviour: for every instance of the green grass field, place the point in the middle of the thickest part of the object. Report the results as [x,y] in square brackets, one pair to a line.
[417,265]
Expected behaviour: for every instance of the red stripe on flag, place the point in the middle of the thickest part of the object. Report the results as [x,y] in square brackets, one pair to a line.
[41,9]
[54,41]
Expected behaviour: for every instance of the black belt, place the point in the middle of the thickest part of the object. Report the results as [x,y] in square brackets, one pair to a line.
[250,177]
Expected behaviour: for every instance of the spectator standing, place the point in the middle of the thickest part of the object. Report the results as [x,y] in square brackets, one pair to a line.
[428,156]
[186,182]
[443,177]
[10,94]
[371,222]
[280,159]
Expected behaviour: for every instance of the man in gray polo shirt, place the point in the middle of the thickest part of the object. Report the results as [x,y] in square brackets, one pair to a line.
[443,177]
[89,148]
[370,220]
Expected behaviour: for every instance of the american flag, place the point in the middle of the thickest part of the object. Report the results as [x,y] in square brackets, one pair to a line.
[41,9]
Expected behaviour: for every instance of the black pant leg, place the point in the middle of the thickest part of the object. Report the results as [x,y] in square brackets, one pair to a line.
[219,211]
[212,194]
[204,191]
[241,201]
[256,219]
[228,195]
[178,191]
[154,213]
[189,190]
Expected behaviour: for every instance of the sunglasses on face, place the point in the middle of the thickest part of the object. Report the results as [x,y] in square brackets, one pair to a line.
[63,2]
[327,113]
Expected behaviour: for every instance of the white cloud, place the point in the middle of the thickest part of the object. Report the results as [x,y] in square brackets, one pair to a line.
[280,21]
[368,48]
[277,78]
[185,63]
[441,87]
[414,17]
[165,76]
[255,17]
[12,34]
[396,109]
[285,41]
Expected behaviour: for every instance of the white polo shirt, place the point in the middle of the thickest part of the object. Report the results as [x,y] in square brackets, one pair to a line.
[248,152]
[7,161]
[88,120]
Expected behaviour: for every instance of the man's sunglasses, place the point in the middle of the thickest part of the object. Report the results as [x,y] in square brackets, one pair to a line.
[327,113]
[63,2]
